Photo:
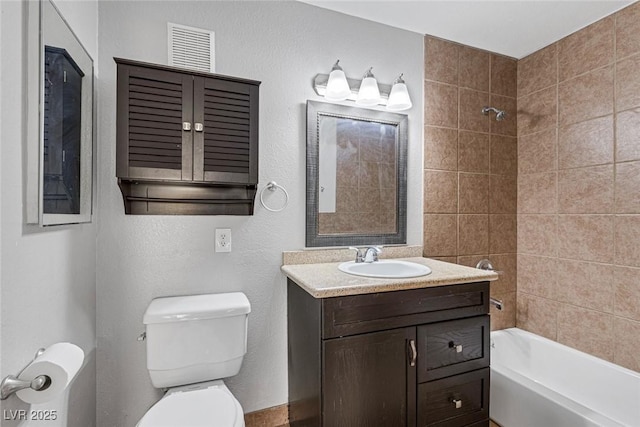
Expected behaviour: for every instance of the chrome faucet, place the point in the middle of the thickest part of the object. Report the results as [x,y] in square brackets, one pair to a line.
[368,255]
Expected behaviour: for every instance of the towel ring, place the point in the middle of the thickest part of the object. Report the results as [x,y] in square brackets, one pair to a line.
[273,186]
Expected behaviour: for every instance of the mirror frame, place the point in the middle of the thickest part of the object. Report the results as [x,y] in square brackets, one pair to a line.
[38,37]
[315,110]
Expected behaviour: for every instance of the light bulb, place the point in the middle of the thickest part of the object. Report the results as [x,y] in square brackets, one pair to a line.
[399,97]
[337,86]
[369,94]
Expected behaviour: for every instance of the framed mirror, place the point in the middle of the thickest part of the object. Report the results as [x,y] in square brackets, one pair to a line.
[65,123]
[356,176]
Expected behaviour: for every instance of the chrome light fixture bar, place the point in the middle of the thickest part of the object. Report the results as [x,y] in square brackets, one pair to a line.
[395,97]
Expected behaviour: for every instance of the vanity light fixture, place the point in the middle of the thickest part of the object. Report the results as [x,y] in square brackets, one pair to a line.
[366,92]
[337,86]
[399,98]
[369,94]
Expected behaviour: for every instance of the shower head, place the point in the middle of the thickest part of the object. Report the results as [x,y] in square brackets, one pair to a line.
[500,114]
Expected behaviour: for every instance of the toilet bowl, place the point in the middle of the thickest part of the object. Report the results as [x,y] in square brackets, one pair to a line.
[208,404]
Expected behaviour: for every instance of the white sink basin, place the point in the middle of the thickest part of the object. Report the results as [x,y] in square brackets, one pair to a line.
[388,269]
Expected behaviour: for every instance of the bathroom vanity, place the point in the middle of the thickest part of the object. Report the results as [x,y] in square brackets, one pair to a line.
[388,352]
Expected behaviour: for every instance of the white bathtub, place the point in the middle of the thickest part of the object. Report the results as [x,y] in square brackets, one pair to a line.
[536,382]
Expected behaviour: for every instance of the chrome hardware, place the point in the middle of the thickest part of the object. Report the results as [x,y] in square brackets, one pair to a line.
[142,336]
[457,347]
[457,402]
[414,353]
[371,254]
[186,125]
[11,383]
[199,127]
[359,254]
[496,302]
[485,264]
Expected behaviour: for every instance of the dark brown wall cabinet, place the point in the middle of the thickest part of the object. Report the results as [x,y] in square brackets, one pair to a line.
[187,142]
[407,358]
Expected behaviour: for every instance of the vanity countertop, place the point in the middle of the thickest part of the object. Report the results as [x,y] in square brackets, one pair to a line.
[325,280]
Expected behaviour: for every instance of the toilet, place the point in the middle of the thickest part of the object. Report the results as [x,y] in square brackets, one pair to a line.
[193,342]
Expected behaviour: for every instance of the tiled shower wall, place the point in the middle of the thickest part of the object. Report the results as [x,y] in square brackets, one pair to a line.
[470,177]
[579,190]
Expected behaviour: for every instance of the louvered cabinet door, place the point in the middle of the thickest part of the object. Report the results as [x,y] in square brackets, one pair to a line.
[155,113]
[226,148]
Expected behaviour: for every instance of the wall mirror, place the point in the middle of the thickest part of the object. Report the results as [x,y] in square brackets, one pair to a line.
[356,176]
[65,128]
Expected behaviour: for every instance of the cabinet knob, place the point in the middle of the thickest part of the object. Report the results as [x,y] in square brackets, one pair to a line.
[186,125]
[457,402]
[456,347]
[199,127]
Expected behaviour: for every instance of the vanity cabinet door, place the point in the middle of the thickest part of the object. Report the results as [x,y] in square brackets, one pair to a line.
[155,112]
[369,380]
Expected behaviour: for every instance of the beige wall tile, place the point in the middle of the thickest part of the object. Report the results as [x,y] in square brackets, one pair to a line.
[346,200]
[585,97]
[451,259]
[440,105]
[537,111]
[508,126]
[538,193]
[537,315]
[506,264]
[628,188]
[505,318]
[626,282]
[628,83]
[440,192]
[628,31]
[537,152]
[474,69]
[586,330]
[473,152]
[441,60]
[628,135]
[586,143]
[586,190]
[504,155]
[440,148]
[503,233]
[471,104]
[627,248]
[503,197]
[538,276]
[587,49]
[627,337]
[537,71]
[473,234]
[538,235]
[474,193]
[504,75]
[585,284]
[470,260]
[586,237]
[440,235]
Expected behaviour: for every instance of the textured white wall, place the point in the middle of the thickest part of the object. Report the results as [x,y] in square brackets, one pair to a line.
[284,45]
[48,275]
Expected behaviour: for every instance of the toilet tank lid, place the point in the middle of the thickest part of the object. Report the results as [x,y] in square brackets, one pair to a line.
[196,307]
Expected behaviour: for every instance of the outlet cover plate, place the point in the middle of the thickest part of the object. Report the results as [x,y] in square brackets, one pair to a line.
[223,240]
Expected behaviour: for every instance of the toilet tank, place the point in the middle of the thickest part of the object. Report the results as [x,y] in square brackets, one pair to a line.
[196,338]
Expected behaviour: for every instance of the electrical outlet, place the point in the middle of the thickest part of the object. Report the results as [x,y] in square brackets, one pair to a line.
[223,240]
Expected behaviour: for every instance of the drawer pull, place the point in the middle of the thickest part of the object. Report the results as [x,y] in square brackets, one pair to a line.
[199,127]
[414,353]
[457,347]
[457,402]
[186,126]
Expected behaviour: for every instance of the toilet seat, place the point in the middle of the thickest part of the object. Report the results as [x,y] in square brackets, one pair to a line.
[208,404]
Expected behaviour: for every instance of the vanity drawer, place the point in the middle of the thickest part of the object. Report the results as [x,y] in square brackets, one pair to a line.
[357,314]
[454,401]
[453,347]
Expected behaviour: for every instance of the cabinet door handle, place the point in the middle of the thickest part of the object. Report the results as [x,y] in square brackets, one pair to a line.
[199,127]
[456,347]
[457,402]
[186,126]
[413,353]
